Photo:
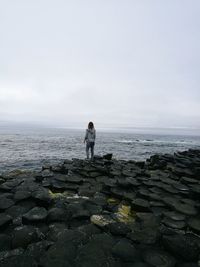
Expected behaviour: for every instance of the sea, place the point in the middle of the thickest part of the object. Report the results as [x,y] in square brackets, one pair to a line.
[32,147]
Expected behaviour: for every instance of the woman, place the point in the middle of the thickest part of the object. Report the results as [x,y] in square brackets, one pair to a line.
[90,137]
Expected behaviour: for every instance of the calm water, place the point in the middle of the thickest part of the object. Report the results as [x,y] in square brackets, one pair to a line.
[30,148]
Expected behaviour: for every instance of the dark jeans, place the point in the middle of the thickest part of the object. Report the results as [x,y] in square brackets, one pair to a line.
[90,146]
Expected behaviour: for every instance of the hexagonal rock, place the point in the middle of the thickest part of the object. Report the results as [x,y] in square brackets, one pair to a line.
[158,258]
[20,195]
[174,223]
[124,250]
[185,246]
[194,224]
[23,236]
[5,203]
[35,215]
[140,204]
[4,219]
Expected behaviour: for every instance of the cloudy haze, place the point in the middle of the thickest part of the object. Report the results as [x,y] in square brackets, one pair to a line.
[116,62]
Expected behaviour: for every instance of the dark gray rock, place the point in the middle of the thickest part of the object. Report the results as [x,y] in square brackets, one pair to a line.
[19,261]
[63,252]
[188,264]
[56,230]
[99,247]
[158,258]
[186,209]
[18,210]
[148,236]
[4,255]
[194,224]
[38,249]
[124,250]
[137,264]
[174,223]
[140,204]
[89,230]
[185,246]
[10,184]
[5,203]
[23,236]
[36,214]
[108,156]
[21,195]
[4,220]
[174,215]
[57,214]
[118,229]
[42,197]
[5,242]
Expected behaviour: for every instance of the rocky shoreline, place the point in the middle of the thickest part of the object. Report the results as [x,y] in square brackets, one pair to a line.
[104,212]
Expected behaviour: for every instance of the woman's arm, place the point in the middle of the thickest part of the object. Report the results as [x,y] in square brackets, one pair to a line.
[86,136]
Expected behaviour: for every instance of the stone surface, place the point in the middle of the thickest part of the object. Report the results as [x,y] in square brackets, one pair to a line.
[105,212]
[185,246]
[159,258]
[5,220]
[124,250]
[35,215]
[5,203]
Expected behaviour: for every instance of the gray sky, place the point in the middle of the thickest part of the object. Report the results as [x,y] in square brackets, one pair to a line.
[115,62]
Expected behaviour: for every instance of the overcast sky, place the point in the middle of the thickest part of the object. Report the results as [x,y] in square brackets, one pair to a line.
[115,62]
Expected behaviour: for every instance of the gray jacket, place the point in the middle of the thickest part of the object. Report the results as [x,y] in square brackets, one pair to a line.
[90,135]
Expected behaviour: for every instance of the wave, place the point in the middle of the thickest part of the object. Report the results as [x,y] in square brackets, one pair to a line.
[153,141]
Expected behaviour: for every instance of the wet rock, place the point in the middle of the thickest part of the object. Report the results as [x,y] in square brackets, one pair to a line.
[63,252]
[42,197]
[18,210]
[147,219]
[148,236]
[10,184]
[56,230]
[174,223]
[10,253]
[89,230]
[181,187]
[38,249]
[108,156]
[47,173]
[118,229]
[185,246]
[194,224]
[186,209]
[174,215]
[4,220]
[158,258]
[5,242]
[5,203]
[23,236]
[77,211]
[57,214]
[124,250]
[187,180]
[137,264]
[188,264]
[99,247]
[36,214]
[74,179]
[140,204]
[21,195]
[20,261]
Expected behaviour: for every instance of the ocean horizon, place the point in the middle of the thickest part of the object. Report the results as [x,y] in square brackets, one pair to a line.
[29,147]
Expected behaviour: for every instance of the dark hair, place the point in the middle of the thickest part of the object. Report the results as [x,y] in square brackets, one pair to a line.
[90,125]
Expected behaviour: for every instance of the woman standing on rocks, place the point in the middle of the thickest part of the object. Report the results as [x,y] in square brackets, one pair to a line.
[90,137]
